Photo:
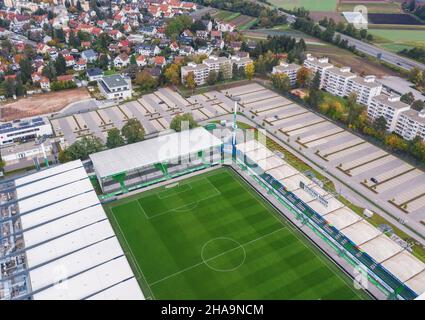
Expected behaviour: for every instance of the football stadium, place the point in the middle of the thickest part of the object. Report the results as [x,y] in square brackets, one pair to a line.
[192,215]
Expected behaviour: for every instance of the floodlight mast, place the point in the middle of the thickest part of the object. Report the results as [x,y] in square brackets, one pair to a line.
[234,125]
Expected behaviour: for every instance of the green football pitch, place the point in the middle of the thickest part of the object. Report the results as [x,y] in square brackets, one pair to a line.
[213,237]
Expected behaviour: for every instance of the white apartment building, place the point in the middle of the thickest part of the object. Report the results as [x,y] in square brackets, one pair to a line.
[411,124]
[219,64]
[115,87]
[213,63]
[290,69]
[241,61]
[317,65]
[389,107]
[341,81]
[200,73]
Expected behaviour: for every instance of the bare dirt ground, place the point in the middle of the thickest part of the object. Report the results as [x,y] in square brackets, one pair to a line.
[41,104]
[342,57]
[319,15]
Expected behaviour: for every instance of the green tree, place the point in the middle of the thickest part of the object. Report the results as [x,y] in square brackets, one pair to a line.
[172,73]
[49,71]
[60,65]
[26,70]
[407,98]
[354,109]
[133,131]
[281,82]
[380,124]
[417,105]
[145,81]
[114,139]
[9,87]
[315,97]
[81,149]
[185,119]
[212,77]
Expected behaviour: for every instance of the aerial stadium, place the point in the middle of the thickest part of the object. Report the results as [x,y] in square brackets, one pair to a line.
[192,215]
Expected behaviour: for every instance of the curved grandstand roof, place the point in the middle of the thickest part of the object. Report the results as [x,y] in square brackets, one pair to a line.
[156,150]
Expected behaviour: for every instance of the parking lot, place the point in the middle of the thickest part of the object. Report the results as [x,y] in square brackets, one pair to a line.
[398,185]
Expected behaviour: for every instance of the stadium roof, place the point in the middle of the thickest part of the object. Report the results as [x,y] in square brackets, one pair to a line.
[156,150]
[70,249]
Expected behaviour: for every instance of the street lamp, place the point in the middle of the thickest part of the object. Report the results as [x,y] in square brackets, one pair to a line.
[234,126]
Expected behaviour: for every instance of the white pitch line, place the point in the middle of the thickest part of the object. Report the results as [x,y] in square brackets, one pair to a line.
[213,257]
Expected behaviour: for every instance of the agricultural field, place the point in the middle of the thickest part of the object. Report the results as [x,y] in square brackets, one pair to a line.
[372,6]
[243,22]
[213,237]
[311,5]
[393,19]
[396,40]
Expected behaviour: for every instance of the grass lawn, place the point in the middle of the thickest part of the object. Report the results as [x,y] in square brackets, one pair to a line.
[311,5]
[395,40]
[213,237]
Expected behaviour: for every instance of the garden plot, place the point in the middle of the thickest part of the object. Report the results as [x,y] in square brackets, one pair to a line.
[292,129]
[342,218]
[353,150]
[292,182]
[120,118]
[127,113]
[399,170]
[282,172]
[226,107]
[404,265]
[361,232]
[346,166]
[324,133]
[381,248]
[371,165]
[392,183]
[93,119]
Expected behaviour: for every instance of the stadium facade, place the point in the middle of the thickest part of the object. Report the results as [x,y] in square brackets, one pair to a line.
[57,242]
[150,161]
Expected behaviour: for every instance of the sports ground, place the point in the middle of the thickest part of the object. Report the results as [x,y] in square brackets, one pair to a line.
[213,237]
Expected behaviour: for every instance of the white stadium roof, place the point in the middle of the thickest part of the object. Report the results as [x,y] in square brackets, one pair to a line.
[71,249]
[145,153]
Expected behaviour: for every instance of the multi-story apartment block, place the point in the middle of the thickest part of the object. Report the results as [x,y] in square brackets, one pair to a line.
[218,64]
[200,73]
[213,63]
[389,107]
[317,65]
[241,62]
[290,69]
[341,81]
[411,124]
